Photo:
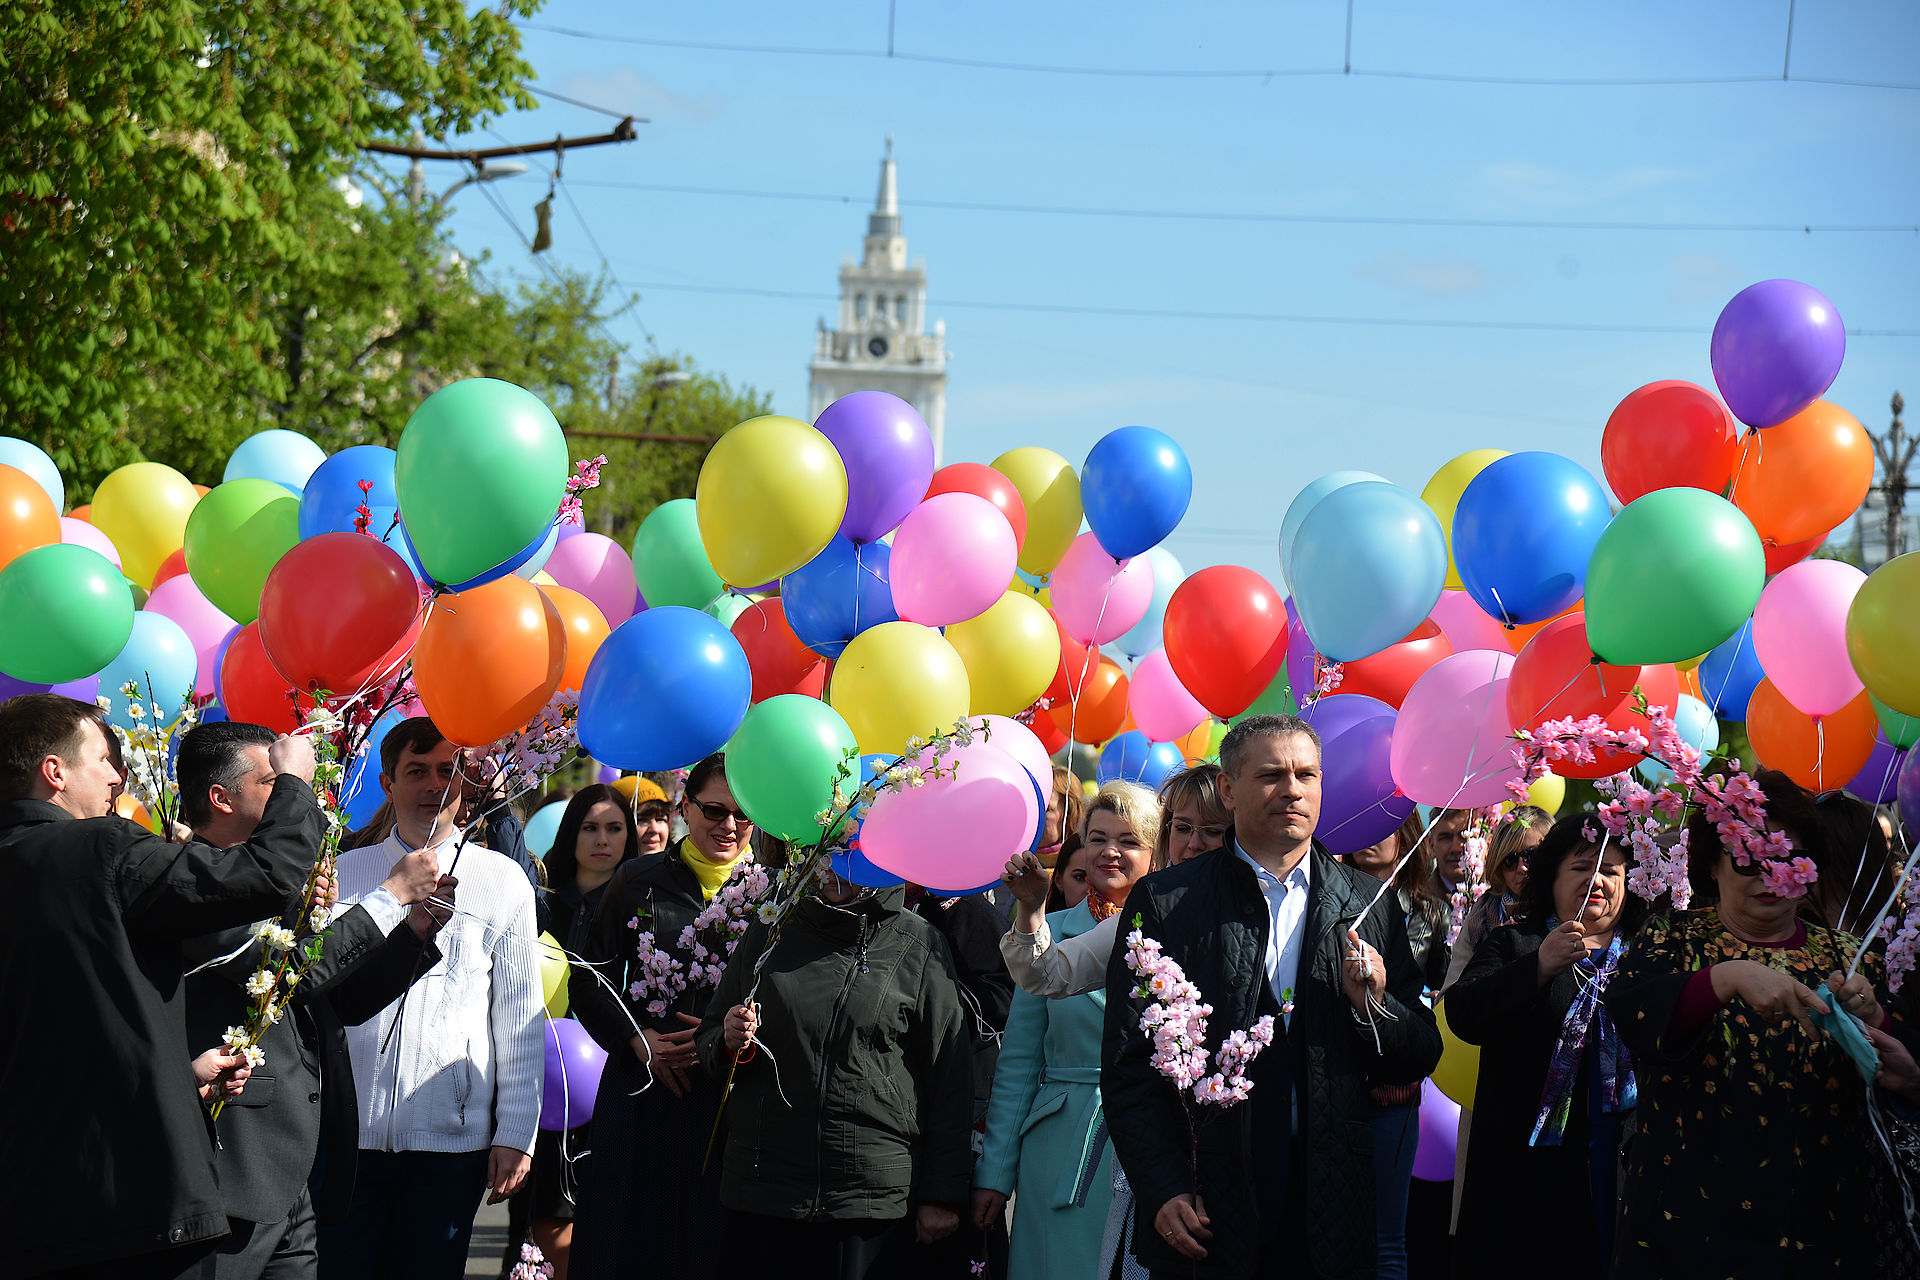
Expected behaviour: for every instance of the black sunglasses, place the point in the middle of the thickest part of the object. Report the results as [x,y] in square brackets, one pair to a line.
[720,812]
[1512,860]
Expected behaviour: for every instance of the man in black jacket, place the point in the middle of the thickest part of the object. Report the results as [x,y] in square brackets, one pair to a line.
[1282,1184]
[106,1148]
[302,1092]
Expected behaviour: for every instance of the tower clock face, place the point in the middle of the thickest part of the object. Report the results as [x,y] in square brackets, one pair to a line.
[877,347]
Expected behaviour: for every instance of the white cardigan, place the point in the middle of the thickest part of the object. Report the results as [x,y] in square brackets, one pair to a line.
[1075,966]
[463,1072]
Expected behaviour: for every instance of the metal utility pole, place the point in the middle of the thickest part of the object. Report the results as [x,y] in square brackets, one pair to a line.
[622,132]
[1895,454]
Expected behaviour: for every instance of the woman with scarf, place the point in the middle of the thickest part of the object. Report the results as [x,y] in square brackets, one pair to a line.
[1556,1088]
[657,948]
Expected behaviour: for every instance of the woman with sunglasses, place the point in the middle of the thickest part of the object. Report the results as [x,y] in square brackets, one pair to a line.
[1755,1152]
[644,1204]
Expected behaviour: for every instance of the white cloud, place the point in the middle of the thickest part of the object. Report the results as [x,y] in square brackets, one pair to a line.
[1519,182]
[1451,274]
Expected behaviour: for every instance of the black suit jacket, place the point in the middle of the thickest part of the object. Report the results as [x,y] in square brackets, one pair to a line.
[301,1101]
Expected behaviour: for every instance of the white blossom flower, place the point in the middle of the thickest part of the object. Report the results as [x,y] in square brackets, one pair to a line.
[260,983]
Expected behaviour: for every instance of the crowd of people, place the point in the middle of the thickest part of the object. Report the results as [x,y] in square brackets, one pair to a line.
[897,1083]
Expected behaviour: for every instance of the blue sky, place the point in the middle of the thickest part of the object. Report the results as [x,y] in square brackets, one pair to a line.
[1261,407]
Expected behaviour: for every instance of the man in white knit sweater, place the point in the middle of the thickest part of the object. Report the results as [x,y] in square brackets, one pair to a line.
[449,1077]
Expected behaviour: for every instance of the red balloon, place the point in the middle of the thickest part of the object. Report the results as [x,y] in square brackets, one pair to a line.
[1225,634]
[1556,677]
[339,613]
[172,567]
[253,692]
[978,478]
[1779,558]
[779,662]
[1388,674]
[1669,435]
[1052,736]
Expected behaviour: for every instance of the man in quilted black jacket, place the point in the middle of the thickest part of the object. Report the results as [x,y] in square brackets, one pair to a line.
[1283,1183]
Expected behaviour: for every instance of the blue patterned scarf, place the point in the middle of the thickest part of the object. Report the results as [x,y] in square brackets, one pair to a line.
[1615,1066]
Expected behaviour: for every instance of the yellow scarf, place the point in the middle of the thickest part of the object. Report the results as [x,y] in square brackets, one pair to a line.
[709,873]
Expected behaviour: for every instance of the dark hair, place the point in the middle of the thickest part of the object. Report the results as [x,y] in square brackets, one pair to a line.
[1564,840]
[648,810]
[562,860]
[1857,868]
[703,773]
[417,735]
[1789,805]
[214,755]
[1234,745]
[1056,900]
[34,726]
[1415,876]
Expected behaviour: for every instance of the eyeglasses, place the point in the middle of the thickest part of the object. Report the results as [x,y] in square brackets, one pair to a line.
[1513,860]
[720,813]
[1749,868]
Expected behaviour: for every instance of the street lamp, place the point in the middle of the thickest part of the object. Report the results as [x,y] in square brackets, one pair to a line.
[484,172]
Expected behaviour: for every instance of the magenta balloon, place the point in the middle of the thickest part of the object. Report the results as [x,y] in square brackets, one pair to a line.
[1466,626]
[180,599]
[598,568]
[1776,349]
[1022,744]
[888,453]
[952,560]
[1879,778]
[572,1079]
[1359,804]
[1453,743]
[1433,1158]
[1800,634]
[1099,599]
[956,831]
[82,534]
[1161,705]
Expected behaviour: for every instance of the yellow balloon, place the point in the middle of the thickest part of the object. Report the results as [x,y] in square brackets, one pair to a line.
[771,493]
[541,578]
[1459,1069]
[1443,495]
[1883,633]
[1549,791]
[143,509]
[1011,653]
[553,976]
[896,681]
[1051,492]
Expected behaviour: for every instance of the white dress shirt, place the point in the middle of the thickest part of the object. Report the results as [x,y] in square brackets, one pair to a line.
[1286,924]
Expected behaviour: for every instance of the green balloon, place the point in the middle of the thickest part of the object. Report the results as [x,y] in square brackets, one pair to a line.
[783,761]
[65,612]
[479,473]
[1275,700]
[235,536]
[724,609]
[669,560]
[1676,573]
[1903,731]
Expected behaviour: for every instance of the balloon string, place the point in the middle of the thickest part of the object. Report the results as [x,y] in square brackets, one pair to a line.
[1893,766]
[1074,694]
[1740,640]
[1900,829]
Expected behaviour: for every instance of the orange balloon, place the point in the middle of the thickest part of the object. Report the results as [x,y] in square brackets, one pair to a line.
[586,627]
[202,490]
[27,515]
[489,659]
[1098,706]
[1800,478]
[1196,746]
[1690,682]
[1819,754]
[83,512]
[133,811]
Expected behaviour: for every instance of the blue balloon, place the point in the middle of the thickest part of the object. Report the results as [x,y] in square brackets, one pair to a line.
[664,691]
[1135,488]
[1523,533]
[160,659]
[1306,500]
[24,455]
[1693,720]
[1368,565]
[331,501]
[543,826]
[1730,673]
[284,457]
[838,594]
[360,791]
[1131,757]
[541,547]
[1145,635]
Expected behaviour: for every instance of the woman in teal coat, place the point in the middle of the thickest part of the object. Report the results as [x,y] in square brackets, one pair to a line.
[1046,1136]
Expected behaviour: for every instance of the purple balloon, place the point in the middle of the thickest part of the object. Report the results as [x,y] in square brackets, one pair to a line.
[1433,1158]
[85,689]
[1908,789]
[1359,803]
[574,1063]
[888,454]
[1777,347]
[1879,778]
[1300,656]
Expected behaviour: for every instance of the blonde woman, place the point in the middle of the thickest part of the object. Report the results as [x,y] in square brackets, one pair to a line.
[1504,876]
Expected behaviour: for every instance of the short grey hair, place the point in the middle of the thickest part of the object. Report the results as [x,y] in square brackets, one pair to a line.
[1253,728]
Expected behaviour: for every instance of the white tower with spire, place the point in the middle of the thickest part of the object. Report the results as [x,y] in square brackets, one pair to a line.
[880,342]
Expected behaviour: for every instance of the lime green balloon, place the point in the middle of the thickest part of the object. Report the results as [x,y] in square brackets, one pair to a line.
[783,762]
[1902,730]
[65,612]
[1276,700]
[235,536]
[1676,573]
[479,473]
[670,562]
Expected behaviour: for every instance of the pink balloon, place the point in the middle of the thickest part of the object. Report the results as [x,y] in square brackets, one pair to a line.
[180,599]
[952,559]
[982,805]
[1800,634]
[1466,627]
[82,534]
[1433,1158]
[1022,744]
[1097,598]
[1453,743]
[1161,705]
[596,567]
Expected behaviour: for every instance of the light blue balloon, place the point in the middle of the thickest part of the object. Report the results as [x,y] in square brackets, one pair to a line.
[543,826]
[1144,636]
[24,455]
[160,659]
[1132,757]
[1306,500]
[538,560]
[1693,720]
[284,457]
[1368,566]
